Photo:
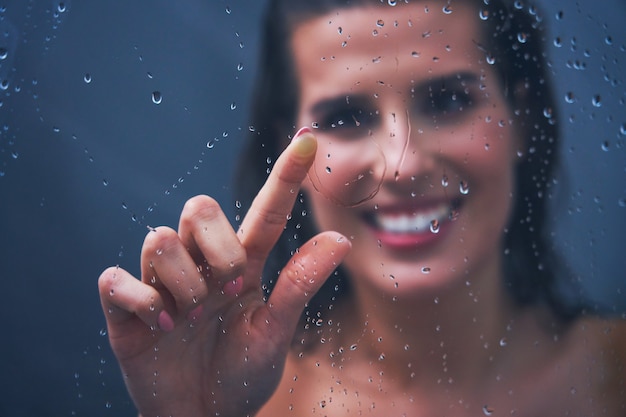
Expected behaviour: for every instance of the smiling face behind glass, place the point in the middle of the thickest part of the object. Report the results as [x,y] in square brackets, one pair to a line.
[417,149]
[406,105]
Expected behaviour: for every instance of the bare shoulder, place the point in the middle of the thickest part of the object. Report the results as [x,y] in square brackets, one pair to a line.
[598,345]
[605,334]
[581,371]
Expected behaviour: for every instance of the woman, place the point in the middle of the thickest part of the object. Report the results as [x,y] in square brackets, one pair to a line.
[432,141]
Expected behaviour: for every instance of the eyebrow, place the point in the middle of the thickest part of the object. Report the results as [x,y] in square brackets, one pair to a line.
[453,79]
[339,102]
[364,100]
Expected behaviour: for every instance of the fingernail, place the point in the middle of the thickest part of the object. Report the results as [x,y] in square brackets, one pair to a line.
[165,321]
[302,131]
[194,314]
[233,287]
[305,142]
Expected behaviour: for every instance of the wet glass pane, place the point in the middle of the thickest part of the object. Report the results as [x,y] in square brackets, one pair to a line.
[114,113]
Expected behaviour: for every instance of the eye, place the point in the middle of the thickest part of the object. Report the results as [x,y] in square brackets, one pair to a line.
[447,104]
[449,99]
[349,122]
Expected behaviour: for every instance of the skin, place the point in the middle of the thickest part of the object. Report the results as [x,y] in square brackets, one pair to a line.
[195,330]
[217,336]
[424,326]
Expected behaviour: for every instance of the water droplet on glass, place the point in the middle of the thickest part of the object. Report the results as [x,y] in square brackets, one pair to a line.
[547,113]
[415,54]
[157,98]
[233,105]
[606,146]
[446,9]
[434,226]
[490,59]
[608,40]
[61,7]
[463,187]
[240,66]
[425,270]
[3,53]
[483,14]
[569,97]
[444,181]
[596,101]
[105,182]
[380,23]
[328,170]
[87,78]
[487,410]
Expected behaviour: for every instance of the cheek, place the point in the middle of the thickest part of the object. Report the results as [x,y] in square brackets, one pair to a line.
[347,173]
[487,146]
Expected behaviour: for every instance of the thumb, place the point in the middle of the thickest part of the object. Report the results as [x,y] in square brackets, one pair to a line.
[303,276]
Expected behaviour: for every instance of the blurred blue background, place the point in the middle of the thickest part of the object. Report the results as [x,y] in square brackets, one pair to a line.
[88,160]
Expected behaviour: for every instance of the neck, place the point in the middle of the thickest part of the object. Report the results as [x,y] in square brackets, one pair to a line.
[428,338]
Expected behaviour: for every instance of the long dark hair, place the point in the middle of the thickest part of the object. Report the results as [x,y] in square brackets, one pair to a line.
[513,40]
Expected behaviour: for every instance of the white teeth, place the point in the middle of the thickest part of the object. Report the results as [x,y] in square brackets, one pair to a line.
[415,223]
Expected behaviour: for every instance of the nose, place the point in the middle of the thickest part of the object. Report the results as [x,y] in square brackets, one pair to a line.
[402,142]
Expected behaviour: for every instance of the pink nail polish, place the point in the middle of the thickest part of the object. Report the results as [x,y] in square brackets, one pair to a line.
[194,314]
[302,131]
[165,321]
[233,287]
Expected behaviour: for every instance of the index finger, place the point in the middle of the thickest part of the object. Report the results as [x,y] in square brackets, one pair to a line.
[268,214]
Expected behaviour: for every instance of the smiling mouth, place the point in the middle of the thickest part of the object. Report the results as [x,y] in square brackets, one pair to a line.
[413,222]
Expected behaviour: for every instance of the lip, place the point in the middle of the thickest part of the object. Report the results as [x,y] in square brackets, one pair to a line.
[420,237]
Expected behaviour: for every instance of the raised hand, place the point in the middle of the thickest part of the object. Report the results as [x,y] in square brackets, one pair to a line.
[194,336]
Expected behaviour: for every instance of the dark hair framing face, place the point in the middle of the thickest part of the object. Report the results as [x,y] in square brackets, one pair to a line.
[513,38]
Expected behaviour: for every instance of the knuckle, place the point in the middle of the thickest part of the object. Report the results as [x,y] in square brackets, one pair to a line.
[272,217]
[299,279]
[160,239]
[107,279]
[198,208]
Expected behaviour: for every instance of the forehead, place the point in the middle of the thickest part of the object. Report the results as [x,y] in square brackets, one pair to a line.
[350,44]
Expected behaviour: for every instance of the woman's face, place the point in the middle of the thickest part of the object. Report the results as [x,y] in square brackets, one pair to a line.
[408,111]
